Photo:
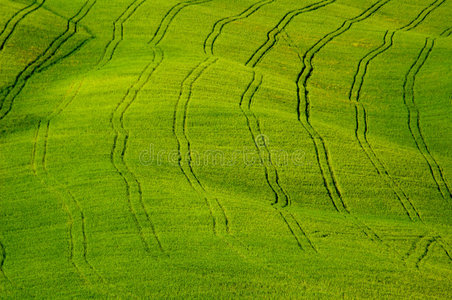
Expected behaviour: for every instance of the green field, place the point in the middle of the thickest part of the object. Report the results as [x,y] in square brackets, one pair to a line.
[226,148]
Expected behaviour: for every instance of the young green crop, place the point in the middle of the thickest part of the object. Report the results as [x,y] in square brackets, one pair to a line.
[220,149]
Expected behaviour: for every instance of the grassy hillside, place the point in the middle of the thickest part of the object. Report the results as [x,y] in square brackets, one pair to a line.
[225,148]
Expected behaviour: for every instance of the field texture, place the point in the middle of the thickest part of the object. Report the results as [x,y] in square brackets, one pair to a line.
[226,148]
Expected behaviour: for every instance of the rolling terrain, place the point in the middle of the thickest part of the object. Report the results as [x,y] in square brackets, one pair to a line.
[226,148]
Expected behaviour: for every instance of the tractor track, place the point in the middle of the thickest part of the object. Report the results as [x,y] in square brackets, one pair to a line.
[420,248]
[22,78]
[414,119]
[169,17]
[363,64]
[361,70]
[270,171]
[220,221]
[117,155]
[16,18]
[116,121]
[308,57]
[64,56]
[272,35]
[209,42]
[303,77]
[321,151]
[423,14]
[361,114]
[447,32]
[208,46]
[427,246]
[361,127]
[118,32]
[78,243]
[2,261]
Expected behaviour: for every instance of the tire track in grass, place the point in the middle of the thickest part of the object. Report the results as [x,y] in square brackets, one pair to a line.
[169,17]
[135,196]
[118,32]
[78,243]
[422,16]
[5,277]
[420,249]
[2,262]
[22,78]
[303,115]
[15,20]
[220,221]
[308,57]
[413,246]
[361,72]
[447,32]
[272,35]
[271,173]
[361,127]
[134,190]
[209,42]
[427,247]
[414,125]
[208,48]
[71,52]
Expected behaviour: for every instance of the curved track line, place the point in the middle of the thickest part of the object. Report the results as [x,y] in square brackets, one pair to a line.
[272,35]
[71,52]
[422,15]
[361,127]
[322,155]
[78,244]
[209,42]
[427,247]
[303,77]
[361,72]
[414,125]
[14,21]
[309,55]
[2,261]
[134,192]
[169,17]
[447,32]
[22,78]
[271,173]
[220,221]
[216,209]
[133,186]
[118,32]
[419,249]
[361,115]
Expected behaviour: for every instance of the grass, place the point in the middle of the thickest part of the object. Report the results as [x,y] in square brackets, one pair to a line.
[219,149]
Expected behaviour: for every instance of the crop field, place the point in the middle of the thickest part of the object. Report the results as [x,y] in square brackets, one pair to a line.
[226,149]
